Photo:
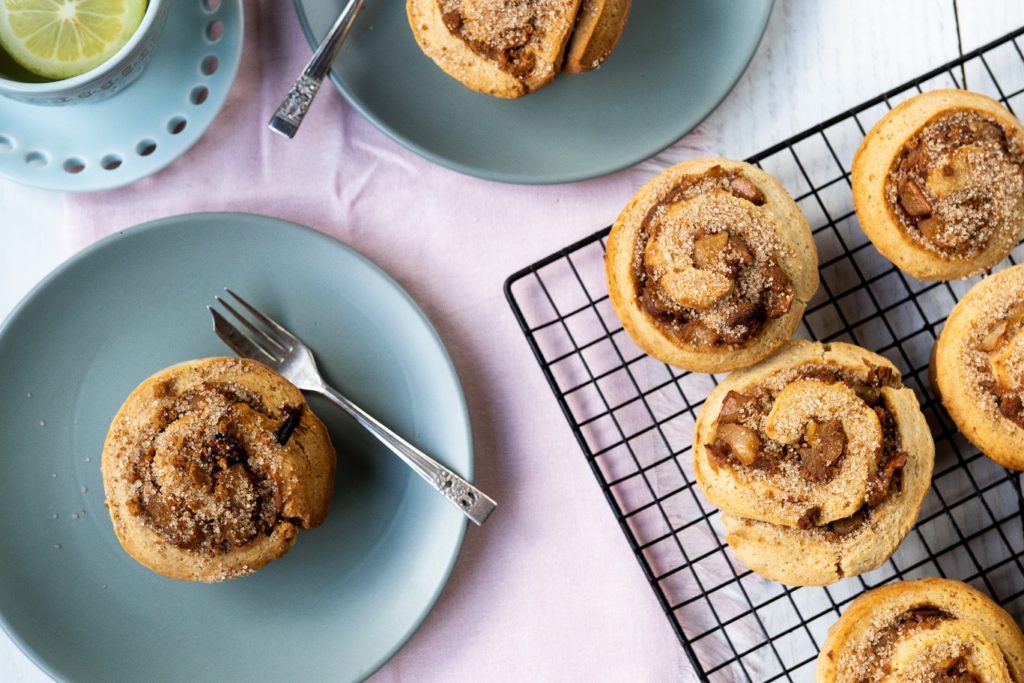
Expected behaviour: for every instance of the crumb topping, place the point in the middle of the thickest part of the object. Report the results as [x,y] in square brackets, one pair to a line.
[707,259]
[958,185]
[922,644]
[203,474]
[822,434]
[503,30]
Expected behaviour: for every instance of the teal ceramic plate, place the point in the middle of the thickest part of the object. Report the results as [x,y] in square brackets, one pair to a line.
[137,132]
[350,592]
[676,61]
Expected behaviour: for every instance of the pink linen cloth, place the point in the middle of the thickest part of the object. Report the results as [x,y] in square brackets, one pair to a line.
[549,589]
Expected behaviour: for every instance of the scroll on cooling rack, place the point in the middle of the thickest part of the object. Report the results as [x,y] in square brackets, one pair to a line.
[819,459]
[925,630]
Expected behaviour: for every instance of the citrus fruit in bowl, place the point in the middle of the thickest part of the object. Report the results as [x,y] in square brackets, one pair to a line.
[60,39]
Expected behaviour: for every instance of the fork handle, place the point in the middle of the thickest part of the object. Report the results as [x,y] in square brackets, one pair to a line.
[473,502]
[289,115]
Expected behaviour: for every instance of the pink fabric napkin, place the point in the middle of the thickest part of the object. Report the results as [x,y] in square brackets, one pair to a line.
[548,590]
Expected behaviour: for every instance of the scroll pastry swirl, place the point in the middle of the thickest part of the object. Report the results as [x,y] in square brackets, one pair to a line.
[211,468]
[505,48]
[978,366]
[922,631]
[938,184]
[710,265]
[819,460]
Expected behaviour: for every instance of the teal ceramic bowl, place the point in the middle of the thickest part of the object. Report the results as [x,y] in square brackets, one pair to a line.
[105,144]
[106,80]
[675,62]
[350,592]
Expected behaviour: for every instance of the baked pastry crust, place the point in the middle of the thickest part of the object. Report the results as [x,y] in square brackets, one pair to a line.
[655,239]
[504,48]
[978,366]
[818,458]
[920,631]
[212,466]
[599,26]
[968,213]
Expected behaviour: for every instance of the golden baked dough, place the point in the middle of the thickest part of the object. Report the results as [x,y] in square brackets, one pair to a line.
[923,631]
[211,467]
[598,28]
[819,459]
[505,48]
[978,366]
[938,184]
[711,265]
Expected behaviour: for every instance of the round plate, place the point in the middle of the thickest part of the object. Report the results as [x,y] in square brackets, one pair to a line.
[137,132]
[675,62]
[351,591]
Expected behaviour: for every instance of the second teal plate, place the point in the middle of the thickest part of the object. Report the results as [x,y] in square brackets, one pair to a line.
[350,592]
[676,61]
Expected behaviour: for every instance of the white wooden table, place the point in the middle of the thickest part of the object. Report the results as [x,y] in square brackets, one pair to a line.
[817,59]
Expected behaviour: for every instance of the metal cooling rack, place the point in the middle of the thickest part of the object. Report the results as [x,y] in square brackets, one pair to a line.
[633,416]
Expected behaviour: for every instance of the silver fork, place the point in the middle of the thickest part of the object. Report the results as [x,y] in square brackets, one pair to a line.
[279,349]
[289,115]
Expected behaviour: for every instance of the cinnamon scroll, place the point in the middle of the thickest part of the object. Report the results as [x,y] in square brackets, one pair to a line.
[211,467]
[819,459]
[511,48]
[938,184]
[711,265]
[920,632]
[505,48]
[978,366]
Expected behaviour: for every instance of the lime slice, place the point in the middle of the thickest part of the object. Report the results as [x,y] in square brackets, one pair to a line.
[64,38]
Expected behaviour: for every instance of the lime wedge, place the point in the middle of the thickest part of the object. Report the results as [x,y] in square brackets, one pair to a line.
[64,38]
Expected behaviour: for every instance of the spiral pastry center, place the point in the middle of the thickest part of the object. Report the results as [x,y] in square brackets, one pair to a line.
[956,182]
[203,479]
[811,453]
[499,30]
[707,265]
[838,439]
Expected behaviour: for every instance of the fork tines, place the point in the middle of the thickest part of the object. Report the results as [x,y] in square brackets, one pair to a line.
[269,342]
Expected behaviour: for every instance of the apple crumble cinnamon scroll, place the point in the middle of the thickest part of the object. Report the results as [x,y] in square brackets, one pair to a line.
[920,632]
[511,48]
[978,366]
[938,184]
[505,48]
[711,265]
[211,468]
[819,459]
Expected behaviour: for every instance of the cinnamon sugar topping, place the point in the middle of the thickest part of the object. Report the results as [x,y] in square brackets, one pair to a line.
[871,660]
[502,30]
[957,186]
[993,353]
[707,261]
[921,644]
[806,423]
[202,476]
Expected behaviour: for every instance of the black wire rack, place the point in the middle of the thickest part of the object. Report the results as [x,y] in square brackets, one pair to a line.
[633,416]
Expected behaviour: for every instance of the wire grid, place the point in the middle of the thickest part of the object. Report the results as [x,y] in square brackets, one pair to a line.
[633,416]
